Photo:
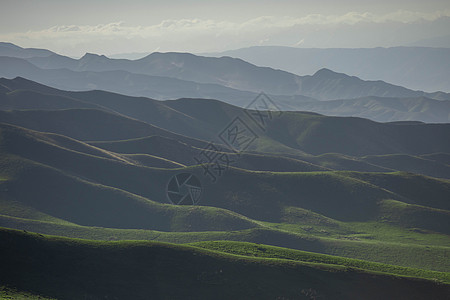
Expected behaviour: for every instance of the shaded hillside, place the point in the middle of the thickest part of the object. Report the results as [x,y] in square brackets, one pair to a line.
[72,269]
[258,195]
[374,108]
[290,132]
[317,134]
[403,251]
[88,124]
[26,99]
[70,197]
[185,154]
[421,165]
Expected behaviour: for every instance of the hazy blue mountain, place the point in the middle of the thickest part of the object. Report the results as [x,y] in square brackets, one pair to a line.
[9,49]
[131,55]
[375,100]
[375,108]
[383,109]
[442,41]
[412,67]
[239,74]
[123,82]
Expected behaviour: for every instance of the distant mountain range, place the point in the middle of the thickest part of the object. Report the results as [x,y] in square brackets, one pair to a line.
[422,68]
[235,73]
[176,75]
[9,49]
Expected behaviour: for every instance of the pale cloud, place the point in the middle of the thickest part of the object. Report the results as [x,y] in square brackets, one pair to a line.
[197,35]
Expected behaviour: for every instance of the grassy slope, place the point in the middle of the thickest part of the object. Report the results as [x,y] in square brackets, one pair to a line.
[26,99]
[258,250]
[388,244]
[259,195]
[103,182]
[317,134]
[63,196]
[72,269]
[55,166]
[415,164]
[87,124]
[183,153]
[292,132]
[8,293]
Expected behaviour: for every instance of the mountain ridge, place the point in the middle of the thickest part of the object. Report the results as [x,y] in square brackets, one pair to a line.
[423,68]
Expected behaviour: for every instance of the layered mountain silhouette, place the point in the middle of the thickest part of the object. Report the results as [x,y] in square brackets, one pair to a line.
[235,73]
[176,75]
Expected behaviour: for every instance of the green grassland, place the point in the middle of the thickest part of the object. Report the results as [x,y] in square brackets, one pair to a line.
[259,250]
[52,185]
[76,269]
[416,250]
[7,293]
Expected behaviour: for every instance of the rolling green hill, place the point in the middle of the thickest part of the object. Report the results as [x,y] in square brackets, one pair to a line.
[424,164]
[182,153]
[27,99]
[68,268]
[292,132]
[53,179]
[253,193]
[375,242]
[88,125]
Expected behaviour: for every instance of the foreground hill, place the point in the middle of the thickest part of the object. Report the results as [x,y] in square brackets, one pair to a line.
[71,269]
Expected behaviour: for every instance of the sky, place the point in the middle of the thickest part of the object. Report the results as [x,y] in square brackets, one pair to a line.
[199,26]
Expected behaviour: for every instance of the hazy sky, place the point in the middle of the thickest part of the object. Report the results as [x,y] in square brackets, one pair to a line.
[109,27]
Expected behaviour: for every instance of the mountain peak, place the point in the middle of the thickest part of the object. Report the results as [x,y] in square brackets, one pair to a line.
[168,54]
[324,71]
[91,56]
